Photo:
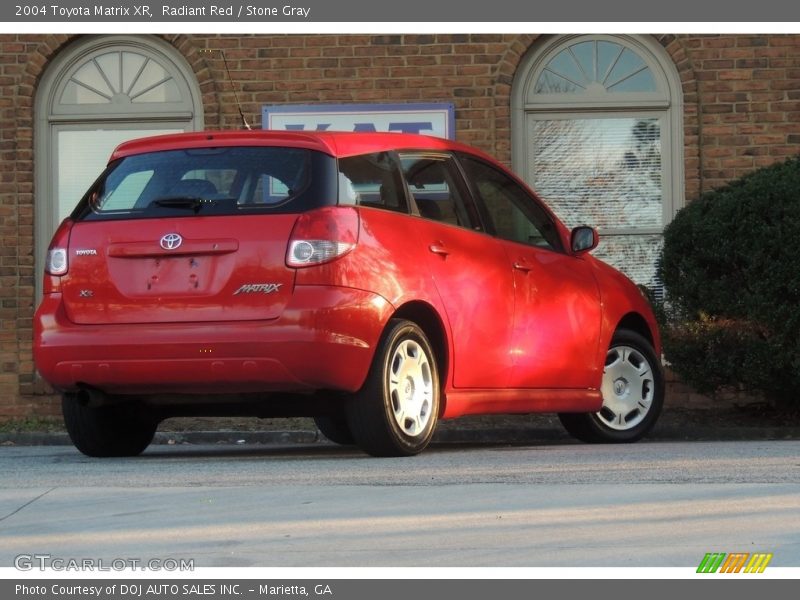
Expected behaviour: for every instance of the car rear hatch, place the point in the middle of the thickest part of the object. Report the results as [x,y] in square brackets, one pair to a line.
[177,270]
[192,235]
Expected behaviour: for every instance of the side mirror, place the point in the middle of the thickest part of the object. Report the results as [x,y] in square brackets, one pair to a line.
[584,239]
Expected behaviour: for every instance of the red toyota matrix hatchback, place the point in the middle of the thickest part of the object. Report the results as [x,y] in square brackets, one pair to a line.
[376,282]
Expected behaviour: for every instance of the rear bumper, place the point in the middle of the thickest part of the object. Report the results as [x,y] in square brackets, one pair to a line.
[324,339]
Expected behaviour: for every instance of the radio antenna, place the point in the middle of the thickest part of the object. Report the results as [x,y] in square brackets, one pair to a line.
[245,124]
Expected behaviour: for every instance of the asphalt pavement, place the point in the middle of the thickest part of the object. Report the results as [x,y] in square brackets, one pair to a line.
[470,505]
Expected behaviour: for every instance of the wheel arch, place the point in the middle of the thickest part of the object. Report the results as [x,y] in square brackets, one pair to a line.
[635,322]
[428,319]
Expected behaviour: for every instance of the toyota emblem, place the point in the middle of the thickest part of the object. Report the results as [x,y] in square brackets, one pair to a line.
[171,241]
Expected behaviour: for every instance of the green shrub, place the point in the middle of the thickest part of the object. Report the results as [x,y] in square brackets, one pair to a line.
[731,269]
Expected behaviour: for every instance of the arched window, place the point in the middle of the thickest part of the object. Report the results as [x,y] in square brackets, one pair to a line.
[597,124]
[97,93]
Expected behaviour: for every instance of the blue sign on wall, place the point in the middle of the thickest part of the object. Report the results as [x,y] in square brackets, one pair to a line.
[436,119]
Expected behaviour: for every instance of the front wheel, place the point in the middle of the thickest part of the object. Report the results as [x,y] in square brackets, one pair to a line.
[396,411]
[633,394]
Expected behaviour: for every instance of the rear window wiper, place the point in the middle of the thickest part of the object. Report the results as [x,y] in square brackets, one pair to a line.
[194,203]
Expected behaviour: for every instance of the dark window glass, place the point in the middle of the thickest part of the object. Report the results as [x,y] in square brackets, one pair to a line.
[434,183]
[211,181]
[511,213]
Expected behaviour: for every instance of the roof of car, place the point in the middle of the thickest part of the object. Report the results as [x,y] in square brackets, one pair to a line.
[336,143]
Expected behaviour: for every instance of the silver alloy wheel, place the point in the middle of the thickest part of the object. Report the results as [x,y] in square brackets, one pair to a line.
[410,387]
[628,388]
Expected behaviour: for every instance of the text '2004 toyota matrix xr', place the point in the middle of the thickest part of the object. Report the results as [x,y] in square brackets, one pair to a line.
[377,282]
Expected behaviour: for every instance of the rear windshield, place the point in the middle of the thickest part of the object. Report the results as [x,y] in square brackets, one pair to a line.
[212,181]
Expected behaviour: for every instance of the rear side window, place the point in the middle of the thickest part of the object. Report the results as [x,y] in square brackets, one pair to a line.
[372,180]
[434,182]
[212,181]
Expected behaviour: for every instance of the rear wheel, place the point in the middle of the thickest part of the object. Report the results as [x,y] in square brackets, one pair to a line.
[335,428]
[395,412]
[633,394]
[114,430]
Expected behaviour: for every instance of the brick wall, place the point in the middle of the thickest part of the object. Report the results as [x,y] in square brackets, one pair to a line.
[741,100]
[16,218]
[749,97]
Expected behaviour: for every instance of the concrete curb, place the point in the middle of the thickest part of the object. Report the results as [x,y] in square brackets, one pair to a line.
[508,435]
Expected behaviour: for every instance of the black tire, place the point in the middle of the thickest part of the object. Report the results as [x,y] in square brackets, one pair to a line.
[105,431]
[335,428]
[629,410]
[375,412]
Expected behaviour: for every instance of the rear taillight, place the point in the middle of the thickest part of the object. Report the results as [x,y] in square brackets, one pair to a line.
[322,235]
[57,261]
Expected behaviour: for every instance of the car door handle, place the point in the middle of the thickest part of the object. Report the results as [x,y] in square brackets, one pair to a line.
[439,249]
[522,266]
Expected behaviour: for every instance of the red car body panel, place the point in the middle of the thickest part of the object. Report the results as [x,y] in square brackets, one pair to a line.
[556,322]
[524,329]
[471,276]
